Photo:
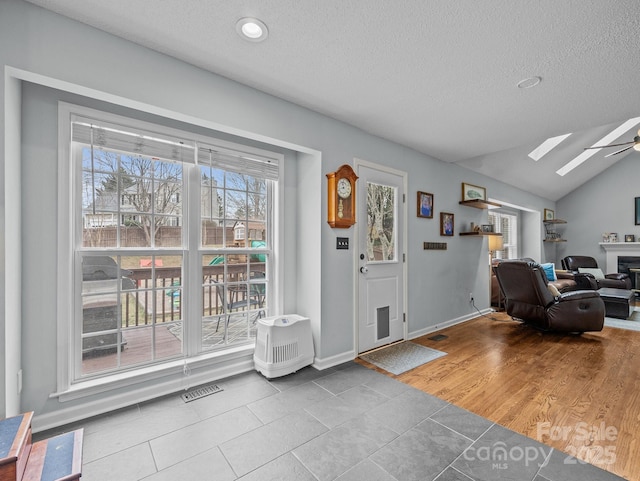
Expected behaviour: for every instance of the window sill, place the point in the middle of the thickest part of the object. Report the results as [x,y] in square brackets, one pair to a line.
[175,368]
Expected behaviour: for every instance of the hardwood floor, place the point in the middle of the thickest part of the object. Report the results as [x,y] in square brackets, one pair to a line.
[577,393]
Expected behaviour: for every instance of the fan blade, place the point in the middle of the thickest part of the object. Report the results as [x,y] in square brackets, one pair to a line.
[618,151]
[610,145]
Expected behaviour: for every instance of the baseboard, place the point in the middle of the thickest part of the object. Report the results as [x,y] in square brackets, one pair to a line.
[107,403]
[445,324]
[326,363]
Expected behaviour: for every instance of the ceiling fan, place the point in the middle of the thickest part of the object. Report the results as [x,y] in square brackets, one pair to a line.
[634,144]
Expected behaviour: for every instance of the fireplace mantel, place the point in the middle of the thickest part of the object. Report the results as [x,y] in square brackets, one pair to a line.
[615,249]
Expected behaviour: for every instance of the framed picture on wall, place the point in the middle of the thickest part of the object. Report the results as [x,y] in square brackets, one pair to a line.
[473,192]
[425,205]
[446,224]
[637,204]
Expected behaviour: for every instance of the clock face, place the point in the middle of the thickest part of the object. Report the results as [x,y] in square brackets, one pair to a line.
[344,188]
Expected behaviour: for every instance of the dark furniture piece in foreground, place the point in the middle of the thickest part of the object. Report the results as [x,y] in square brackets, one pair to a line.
[566,281]
[617,302]
[528,297]
[615,280]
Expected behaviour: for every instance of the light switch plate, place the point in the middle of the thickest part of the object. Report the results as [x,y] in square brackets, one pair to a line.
[342,243]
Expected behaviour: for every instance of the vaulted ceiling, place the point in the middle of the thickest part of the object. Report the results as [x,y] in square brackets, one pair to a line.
[438,76]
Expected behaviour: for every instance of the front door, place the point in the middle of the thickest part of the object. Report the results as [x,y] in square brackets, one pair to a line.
[380,232]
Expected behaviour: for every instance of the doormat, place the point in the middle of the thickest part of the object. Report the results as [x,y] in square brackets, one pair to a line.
[200,392]
[402,357]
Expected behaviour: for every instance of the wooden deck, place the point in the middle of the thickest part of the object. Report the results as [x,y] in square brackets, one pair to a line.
[168,340]
[578,394]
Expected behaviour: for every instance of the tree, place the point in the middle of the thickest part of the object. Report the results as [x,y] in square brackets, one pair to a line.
[154,193]
[380,222]
[144,192]
[246,197]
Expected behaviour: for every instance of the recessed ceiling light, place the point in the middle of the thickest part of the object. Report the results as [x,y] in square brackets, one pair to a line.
[252,29]
[529,82]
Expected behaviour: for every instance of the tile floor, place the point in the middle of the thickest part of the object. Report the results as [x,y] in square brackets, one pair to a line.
[347,423]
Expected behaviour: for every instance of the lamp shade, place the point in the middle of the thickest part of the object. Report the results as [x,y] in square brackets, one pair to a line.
[496,243]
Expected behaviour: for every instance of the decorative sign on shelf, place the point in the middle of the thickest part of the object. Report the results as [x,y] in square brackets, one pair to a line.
[437,246]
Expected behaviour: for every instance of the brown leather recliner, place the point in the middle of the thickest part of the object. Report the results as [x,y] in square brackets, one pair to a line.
[566,281]
[616,280]
[528,298]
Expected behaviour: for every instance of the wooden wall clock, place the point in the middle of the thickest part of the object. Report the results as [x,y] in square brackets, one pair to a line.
[341,198]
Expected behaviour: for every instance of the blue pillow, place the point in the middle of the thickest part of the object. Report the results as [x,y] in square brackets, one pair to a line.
[550,271]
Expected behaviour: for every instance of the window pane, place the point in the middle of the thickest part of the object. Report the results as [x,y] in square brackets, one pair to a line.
[381,237]
[234,292]
[212,233]
[235,205]
[134,299]
[99,160]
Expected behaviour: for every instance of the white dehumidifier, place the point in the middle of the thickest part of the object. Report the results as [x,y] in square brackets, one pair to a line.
[284,344]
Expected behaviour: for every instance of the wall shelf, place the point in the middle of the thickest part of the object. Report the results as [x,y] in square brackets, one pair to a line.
[479,234]
[480,203]
[550,229]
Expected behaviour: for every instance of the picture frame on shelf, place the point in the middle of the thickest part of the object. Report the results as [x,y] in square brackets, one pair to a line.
[473,192]
[425,205]
[549,214]
[446,224]
[629,238]
[487,227]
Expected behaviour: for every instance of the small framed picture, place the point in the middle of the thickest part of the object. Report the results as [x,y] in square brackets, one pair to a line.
[487,227]
[629,238]
[446,224]
[473,192]
[549,214]
[425,205]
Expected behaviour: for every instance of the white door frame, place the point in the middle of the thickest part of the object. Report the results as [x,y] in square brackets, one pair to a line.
[403,211]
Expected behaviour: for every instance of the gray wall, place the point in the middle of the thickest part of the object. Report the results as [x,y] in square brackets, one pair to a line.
[319,279]
[604,204]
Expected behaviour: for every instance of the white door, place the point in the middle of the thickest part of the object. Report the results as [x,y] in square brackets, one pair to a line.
[380,244]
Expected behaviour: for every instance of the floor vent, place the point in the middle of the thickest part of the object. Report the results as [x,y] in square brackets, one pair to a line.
[200,392]
[437,337]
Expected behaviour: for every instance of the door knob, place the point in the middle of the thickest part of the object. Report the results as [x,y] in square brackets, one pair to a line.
[364,269]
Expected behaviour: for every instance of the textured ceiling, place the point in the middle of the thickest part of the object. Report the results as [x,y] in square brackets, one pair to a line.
[438,76]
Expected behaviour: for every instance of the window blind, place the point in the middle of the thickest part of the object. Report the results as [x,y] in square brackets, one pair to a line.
[243,163]
[131,140]
[156,145]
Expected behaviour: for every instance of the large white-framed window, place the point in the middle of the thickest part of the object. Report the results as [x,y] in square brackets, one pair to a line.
[507,224]
[167,239]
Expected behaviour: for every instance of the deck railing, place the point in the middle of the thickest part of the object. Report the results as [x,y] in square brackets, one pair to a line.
[166,298]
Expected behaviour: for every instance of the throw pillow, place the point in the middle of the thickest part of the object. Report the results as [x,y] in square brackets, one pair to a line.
[597,273]
[553,290]
[550,271]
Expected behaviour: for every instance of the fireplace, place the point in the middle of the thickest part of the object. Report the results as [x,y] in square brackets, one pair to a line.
[622,256]
[629,262]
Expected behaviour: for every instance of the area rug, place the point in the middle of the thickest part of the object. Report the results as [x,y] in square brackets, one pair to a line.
[633,323]
[402,357]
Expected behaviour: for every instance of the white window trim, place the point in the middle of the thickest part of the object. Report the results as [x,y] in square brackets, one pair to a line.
[66,388]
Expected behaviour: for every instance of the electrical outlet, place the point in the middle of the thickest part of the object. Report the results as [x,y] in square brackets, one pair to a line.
[471,297]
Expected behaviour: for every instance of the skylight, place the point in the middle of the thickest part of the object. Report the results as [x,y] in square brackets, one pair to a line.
[607,139]
[545,147]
